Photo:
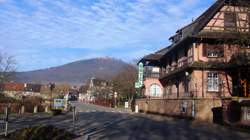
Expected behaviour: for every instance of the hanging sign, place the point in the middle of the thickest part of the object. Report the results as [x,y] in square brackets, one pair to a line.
[139,83]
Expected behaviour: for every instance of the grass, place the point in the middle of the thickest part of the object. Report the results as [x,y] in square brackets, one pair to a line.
[40,132]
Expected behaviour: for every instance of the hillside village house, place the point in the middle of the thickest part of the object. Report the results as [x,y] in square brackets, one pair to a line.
[97,89]
[207,63]
[20,89]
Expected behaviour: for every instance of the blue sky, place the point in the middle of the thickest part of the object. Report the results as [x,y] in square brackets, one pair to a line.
[46,33]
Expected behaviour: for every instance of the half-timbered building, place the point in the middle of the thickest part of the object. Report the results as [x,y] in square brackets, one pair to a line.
[209,60]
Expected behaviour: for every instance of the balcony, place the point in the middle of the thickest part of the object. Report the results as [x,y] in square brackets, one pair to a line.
[182,62]
[152,75]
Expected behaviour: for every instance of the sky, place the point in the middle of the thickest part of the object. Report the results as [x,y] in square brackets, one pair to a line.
[46,33]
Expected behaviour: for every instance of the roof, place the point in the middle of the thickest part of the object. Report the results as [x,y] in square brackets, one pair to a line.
[155,56]
[13,86]
[193,29]
[33,87]
[197,25]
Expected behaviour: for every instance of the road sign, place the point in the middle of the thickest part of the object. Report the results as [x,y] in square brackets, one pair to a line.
[59,103]
[126,104]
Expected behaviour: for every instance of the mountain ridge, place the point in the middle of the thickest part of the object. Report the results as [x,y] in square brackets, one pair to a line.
[77,72]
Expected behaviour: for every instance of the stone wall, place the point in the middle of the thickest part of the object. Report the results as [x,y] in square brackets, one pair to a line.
[200,109]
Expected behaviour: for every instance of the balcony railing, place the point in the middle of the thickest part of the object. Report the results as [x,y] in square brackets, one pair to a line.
[152,75]
[184,61]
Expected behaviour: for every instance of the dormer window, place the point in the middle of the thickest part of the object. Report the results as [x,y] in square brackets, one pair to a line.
[230,21]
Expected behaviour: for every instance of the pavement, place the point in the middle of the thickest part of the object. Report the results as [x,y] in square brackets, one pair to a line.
[95,122]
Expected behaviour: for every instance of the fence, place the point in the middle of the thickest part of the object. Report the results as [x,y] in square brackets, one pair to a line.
[105,103]
[26,108]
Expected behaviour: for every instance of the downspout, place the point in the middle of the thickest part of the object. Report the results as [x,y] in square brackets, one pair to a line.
[202,82]
[228,88]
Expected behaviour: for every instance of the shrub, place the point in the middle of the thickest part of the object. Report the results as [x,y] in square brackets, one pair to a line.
[56,112]
[41,132]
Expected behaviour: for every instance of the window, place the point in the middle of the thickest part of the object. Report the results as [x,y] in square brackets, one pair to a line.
[213,81]
[230,21]
[155,90]
[213,50]
[169,90]
[155,72]
[213,53]
[186,87]
[184,107]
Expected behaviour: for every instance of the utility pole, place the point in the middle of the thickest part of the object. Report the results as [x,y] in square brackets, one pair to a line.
[6,120]
[51,86]
[74,117]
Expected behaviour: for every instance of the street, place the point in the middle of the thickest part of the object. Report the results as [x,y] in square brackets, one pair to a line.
[95,122]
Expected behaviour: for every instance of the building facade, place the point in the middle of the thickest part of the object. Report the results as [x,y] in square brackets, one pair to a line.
[208,59]
[97,89]
[20,89]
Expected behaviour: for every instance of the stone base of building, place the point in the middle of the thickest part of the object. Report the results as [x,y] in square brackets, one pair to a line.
[209,110]
[234,112]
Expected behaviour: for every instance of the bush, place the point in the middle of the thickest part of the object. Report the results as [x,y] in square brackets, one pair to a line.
[56,112]
[31,102]
[40,132]
[4,99]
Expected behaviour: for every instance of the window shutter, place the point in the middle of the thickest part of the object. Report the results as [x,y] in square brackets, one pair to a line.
[204,50]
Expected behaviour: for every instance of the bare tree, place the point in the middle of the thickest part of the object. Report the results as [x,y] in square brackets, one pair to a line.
[7,67]
[124,84]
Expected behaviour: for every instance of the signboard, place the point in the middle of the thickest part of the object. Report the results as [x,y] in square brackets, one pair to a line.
[59,103]
[126,104]
[139,84]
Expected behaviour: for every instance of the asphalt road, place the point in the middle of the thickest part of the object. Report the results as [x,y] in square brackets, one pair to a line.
[95,122]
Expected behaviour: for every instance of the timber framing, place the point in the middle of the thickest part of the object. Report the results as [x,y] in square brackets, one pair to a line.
[194,30]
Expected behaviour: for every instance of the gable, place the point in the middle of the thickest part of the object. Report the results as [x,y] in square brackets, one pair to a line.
[229,18]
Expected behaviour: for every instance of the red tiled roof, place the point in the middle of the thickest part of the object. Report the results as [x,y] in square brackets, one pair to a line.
[13,87]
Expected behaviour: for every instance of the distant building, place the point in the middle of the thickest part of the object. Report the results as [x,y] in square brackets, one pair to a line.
[97,89]
[83,92]
[20,89]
